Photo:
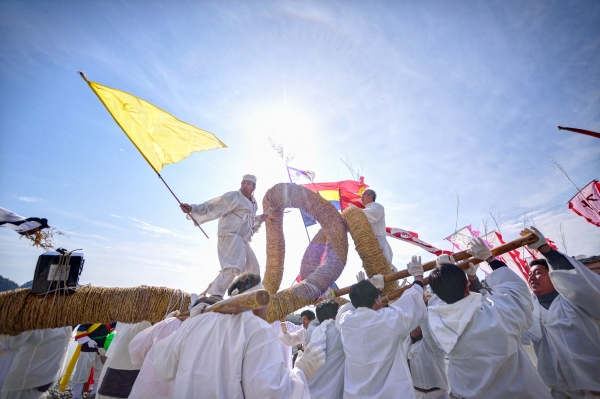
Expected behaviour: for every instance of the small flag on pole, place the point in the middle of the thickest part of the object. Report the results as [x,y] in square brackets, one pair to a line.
[298,174]
[586,203]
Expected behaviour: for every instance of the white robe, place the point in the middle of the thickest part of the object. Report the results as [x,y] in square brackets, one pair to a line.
[35,359]
[237,223]
[569,350]
[375,214]
[117,356]
[376,365]
[149,385]
[227,356]
[286,350]
[328,381]
[482,339]
[428,363]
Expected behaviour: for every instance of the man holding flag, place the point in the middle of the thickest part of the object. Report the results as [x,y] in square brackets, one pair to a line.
[236,211]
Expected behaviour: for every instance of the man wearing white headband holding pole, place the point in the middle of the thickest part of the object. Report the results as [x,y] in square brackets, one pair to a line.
[236,211]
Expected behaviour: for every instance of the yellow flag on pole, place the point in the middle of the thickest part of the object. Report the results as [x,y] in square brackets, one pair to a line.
[160,137]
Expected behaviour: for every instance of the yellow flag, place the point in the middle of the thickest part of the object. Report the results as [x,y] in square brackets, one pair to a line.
[159,136]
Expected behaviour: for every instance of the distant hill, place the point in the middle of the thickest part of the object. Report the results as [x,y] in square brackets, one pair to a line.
[7,284]
[28,284]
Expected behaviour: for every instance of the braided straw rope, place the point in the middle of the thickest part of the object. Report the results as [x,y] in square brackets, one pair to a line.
[367,246]
[21,311]
[285,195]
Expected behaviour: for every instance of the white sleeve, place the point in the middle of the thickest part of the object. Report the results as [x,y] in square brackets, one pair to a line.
[580,286]
[410,310]
[214,208]
[166,356]
[294,338]
[512,298]
[140,345]
[374,213]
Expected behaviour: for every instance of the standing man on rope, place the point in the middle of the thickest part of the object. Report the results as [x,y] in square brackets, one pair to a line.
[236,211]
[375,214]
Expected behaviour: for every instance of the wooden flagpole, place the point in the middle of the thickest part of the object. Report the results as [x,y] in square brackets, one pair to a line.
[159,176]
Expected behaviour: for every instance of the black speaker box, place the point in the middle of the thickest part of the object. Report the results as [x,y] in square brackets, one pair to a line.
[51,277]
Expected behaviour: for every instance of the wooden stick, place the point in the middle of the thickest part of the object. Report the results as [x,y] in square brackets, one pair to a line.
[237,304]
[459,256]
[404,273]
[528,238]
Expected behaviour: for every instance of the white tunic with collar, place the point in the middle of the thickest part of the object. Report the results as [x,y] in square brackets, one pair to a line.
[568,350]
[375,213]
[224,356]
[376,364]
[481,336]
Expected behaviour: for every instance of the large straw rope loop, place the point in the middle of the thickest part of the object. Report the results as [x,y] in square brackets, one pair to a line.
[367,246]
[22,311]
[285,195]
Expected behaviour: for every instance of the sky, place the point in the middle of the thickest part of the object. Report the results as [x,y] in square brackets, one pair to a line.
[441,105]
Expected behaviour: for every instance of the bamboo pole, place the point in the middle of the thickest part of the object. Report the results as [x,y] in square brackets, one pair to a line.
[527,238]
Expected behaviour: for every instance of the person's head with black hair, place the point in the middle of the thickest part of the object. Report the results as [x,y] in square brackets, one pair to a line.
[244,282]
[307,316]
[327,310]
[207,299]
[449,283]
[539,277]
[365,295]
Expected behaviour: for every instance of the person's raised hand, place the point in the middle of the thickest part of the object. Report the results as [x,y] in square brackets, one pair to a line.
[360,276]
[541,239]
[311,360]
[415,268]
[479,249]
[378,281]
[472,270]
[186,208]
[445,259]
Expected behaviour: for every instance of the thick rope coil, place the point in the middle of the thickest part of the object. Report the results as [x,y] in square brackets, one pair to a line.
[285,195]
[22,311]
[367,246]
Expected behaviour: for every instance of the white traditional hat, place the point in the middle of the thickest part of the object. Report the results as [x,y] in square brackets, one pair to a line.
[251,178]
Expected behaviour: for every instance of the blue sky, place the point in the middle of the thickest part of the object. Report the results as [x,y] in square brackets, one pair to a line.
[434,99]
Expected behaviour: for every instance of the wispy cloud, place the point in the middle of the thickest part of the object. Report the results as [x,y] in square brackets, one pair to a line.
[154,229]
[30,199]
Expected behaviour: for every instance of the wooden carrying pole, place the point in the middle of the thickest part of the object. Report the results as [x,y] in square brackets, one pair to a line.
[527,238]
[238,304]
